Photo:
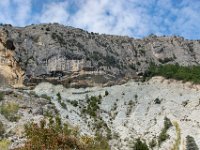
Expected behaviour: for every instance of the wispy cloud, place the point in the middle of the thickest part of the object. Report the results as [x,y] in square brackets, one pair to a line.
[131,17]
[16,12]
[54,12]
[114,17]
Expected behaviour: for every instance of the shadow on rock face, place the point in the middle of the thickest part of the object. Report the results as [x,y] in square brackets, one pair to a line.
[9,45]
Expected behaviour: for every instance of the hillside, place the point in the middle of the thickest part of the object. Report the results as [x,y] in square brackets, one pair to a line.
[97,91]
[124,113]
[77,58]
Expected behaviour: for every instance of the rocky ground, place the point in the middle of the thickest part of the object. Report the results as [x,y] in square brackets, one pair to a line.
[124,113]
[18,108]
[39,65]
[134,109]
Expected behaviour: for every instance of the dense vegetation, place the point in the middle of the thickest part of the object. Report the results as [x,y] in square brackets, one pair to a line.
[185,73]
[53,134]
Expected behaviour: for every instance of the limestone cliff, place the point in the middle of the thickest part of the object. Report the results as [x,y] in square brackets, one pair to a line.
[67,55]
[11,72]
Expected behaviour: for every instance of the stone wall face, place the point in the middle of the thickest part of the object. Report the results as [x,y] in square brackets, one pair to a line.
[9,69]
[59,63]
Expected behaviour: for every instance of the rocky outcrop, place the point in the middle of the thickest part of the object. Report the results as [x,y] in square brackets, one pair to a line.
[10,71]
[62,54]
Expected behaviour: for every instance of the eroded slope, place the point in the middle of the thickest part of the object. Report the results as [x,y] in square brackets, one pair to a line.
[133,110]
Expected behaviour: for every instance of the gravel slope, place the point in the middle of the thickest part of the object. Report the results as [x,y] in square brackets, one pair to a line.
[144,119]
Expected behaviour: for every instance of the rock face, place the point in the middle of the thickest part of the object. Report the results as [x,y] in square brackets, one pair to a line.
[73,56]
[10,71]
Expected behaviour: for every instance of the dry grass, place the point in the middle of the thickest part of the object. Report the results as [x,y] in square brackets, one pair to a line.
[178,137]
[4,144]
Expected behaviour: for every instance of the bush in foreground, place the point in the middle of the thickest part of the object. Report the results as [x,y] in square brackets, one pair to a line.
[55,135]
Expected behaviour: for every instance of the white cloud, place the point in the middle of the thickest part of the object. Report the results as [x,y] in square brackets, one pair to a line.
[187,21]
[113,17]
[16,12]
[23,11]
[123,17]
[54,12]
[4,3]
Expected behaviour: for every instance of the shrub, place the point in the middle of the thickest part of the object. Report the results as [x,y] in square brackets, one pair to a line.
[100,97]
[10,111]
[190,143]
[152,143]
[74,103]
[167,123]
[34,94]
[129,108]
[131,103]
[48,29]
[92,106]
[106,93]
[136,96]
[139,145]
[98,143]
[142,51]
[163,135]
[53,135]
[157,101]
[132,66]
[138,63]
[63,105]
[57,135]
[59,96]
[111,61]
[46,97]
[1,96]
[2,130]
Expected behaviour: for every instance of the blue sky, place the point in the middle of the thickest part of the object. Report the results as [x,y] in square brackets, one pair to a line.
[135,18]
